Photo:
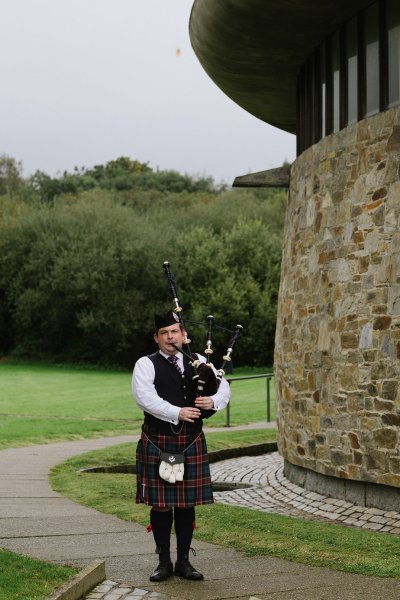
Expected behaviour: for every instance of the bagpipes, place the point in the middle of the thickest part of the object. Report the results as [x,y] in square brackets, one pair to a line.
[207,380]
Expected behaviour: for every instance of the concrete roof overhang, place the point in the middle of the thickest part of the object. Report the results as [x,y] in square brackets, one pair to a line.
[253,49]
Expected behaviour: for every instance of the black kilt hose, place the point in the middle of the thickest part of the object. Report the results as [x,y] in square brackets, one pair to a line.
[196,486]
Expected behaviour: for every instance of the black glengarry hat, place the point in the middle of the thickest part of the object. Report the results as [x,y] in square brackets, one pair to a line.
[165,319]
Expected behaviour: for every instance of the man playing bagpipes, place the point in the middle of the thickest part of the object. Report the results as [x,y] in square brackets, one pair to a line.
[176,391]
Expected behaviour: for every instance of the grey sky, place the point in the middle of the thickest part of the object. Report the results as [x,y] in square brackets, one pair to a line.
[86,81]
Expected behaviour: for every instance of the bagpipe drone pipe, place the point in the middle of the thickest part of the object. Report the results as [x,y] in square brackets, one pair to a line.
[207,377]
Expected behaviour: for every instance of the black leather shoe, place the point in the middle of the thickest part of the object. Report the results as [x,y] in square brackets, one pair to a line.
[162,571]
[184,569]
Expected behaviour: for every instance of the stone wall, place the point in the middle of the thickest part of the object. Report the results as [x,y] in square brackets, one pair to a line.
[337,354]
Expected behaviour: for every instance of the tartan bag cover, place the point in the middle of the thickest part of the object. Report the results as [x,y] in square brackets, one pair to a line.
[196,486]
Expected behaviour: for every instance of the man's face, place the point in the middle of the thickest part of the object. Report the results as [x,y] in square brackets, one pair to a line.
[166,336]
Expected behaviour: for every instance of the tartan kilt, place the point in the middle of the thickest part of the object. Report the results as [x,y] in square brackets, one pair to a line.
[196,486]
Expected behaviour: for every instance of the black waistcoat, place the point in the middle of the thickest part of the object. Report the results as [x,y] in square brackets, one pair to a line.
[179,390]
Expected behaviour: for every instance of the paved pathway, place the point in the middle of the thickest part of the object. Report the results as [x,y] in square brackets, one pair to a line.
[37,521]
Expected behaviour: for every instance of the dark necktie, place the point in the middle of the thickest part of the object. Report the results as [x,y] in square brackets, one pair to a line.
[174,360]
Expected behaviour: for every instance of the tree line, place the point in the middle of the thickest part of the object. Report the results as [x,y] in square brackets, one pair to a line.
[81,264]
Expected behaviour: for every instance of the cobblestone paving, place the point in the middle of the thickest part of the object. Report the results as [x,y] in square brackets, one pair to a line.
[268,490]
[271,492]
[109,590]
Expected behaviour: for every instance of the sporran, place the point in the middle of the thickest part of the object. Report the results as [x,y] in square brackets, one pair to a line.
[172,466]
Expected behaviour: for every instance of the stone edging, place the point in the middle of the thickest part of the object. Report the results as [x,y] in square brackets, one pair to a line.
[82,583]
[215,456]
[252,450]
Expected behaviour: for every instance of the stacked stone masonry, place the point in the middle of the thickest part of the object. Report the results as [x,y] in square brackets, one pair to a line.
[337,355]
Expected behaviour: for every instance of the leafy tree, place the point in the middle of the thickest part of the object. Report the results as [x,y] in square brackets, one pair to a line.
[11,179]
[121,174]
[81,276]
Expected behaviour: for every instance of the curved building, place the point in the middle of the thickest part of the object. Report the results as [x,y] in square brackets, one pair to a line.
[328,72]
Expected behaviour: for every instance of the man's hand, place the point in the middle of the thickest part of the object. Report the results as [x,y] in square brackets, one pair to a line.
[189,414]
[204,402]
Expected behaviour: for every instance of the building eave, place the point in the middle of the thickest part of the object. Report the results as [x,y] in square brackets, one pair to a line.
[253,49]
[278,177]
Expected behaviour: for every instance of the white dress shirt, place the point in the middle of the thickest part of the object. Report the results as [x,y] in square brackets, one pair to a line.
[147,398]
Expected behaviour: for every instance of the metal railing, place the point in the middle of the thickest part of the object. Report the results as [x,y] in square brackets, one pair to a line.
[268,377]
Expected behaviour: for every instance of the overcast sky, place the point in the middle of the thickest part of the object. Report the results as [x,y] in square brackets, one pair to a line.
[86,81]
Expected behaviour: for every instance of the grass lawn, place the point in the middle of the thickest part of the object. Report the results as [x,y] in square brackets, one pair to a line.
[45,403]
[41,404]
[27,578]
[309,542]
